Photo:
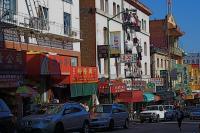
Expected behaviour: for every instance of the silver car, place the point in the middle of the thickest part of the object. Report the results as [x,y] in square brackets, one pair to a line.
[57,118]
[109,116]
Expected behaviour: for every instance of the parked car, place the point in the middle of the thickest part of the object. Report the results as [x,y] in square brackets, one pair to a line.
[57,118]
[152,113]
[170,112]
[109,116]
[195,114]
[187,110]
[7,123]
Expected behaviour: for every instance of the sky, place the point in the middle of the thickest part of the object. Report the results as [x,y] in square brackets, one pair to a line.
[187,17]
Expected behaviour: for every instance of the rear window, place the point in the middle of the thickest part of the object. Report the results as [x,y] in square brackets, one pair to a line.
[3,106]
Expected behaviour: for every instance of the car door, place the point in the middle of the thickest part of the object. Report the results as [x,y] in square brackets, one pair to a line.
[78,117]
[67,117]
[116,116]
[161,112]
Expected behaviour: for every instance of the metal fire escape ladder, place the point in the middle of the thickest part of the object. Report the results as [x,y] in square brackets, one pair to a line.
[30,9]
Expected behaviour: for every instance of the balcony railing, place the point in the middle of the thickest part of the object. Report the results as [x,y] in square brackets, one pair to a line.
[10,19]
[177,51]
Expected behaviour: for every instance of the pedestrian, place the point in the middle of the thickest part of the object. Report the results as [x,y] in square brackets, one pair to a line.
[180,117]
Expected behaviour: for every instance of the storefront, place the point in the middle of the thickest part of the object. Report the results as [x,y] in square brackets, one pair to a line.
[12,70]
[116,87]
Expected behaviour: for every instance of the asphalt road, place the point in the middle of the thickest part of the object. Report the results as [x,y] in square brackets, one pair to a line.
[162,127]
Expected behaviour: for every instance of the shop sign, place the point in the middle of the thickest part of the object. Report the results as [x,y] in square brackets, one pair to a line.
[102,51]
[128,58]
[10,77]
[83,74]
[12,60]
[8,84]
[135,84]
[115,38]
[157,81]
[151,85]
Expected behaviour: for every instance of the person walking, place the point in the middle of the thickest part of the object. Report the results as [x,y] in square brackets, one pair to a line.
[180,117]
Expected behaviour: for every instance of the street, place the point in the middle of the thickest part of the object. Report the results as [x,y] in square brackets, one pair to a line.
[162,127]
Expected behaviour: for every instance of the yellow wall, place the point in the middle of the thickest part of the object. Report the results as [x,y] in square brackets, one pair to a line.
[194,73]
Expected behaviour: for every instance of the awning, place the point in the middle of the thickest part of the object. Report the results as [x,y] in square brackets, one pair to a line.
[26,91]
[148,97]
[83,89]
[130,96]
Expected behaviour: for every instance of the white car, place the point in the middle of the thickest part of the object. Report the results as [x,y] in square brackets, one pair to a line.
[153,113]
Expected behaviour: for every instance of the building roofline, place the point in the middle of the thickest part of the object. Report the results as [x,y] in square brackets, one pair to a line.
[137,4]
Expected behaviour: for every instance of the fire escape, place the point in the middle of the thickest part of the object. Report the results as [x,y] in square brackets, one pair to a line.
[19,27]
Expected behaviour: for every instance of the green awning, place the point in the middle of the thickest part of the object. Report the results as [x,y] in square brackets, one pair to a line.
[83,89]
[148,97]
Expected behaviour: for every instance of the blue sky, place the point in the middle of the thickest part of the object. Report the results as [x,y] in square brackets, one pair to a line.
[187,16]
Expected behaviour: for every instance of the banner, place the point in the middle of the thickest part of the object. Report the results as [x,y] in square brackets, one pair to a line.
[128,58]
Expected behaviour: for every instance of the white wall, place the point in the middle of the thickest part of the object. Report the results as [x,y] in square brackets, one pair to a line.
[101,22]
[143,36]
[56,10]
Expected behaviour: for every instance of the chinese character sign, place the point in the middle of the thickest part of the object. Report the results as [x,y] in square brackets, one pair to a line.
[83,75]
[12,60]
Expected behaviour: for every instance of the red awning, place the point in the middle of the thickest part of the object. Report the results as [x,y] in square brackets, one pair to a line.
[131,96]
[116,87]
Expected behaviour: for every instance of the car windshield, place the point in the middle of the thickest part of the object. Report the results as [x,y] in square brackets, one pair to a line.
[50,109]
[168,107]
[103,109]
[152,108]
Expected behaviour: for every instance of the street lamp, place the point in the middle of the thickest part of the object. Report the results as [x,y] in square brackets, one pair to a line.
[108,42]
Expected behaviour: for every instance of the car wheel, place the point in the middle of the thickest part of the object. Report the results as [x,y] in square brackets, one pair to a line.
[111,125]
[85,128]
[126,124]
[59,128]
[141,121]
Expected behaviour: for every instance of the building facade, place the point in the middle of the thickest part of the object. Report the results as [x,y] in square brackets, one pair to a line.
[166,53]
[98,12]
[43,37]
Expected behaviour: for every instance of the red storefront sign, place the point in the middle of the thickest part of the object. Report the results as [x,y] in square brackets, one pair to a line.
[115,86]
[12,60]
[83,74]
[131,96]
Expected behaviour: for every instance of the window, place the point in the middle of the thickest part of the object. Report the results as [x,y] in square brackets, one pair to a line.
[193,62]
[102,5]
[114,8]
[74,61]
[8,6]
[105,31]
[188,61]
[106,6]
[145,48]
[197,61]
[158,62]
[43,15]
[165,64]
[68,1]
[105,66]
[144,25]
[118,11]
[145,65]
[67,23]
[161,63]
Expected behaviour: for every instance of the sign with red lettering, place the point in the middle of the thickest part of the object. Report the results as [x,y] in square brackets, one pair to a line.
[83,74]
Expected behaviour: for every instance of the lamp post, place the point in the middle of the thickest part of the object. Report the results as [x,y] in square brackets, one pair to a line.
[109,50]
